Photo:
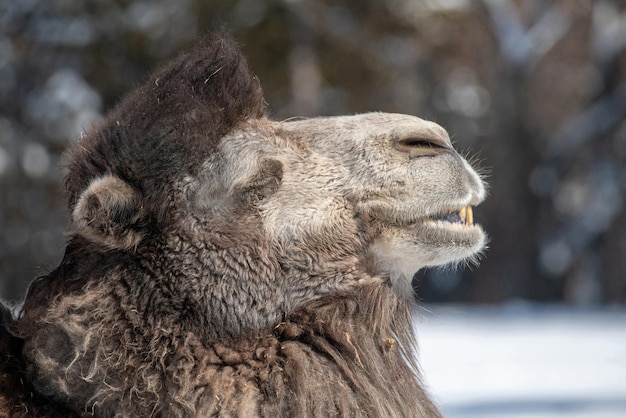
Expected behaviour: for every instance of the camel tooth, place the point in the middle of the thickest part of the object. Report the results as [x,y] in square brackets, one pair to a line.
[463,214]
[470,216]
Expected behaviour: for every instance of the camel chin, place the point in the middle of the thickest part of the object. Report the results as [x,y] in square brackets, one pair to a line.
[402,252]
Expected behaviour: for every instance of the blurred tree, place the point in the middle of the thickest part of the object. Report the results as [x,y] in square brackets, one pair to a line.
[534,88]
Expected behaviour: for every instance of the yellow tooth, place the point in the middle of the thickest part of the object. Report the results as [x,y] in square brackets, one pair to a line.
[463,214]
[470,216]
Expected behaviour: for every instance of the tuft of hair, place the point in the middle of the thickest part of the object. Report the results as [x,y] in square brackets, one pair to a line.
[177,116]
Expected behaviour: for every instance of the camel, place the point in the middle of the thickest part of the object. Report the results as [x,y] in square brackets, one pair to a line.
[220,263]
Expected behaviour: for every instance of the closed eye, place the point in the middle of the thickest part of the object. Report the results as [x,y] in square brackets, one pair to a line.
[421,146]
[419,143]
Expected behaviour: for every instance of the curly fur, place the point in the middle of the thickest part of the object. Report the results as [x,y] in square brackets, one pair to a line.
[218,264]
[18,399]
[335,356]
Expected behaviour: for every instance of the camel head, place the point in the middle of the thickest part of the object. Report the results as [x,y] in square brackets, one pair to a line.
[385,192]
[189,171]
[396,179]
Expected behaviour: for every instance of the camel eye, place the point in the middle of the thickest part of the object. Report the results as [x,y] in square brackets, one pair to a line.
[416,142]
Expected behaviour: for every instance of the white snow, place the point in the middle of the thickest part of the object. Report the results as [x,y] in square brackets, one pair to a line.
[524,360]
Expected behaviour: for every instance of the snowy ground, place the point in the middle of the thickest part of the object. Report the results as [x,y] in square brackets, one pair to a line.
[522,361]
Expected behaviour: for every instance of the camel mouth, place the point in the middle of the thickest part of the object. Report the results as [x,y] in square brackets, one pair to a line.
[463,216]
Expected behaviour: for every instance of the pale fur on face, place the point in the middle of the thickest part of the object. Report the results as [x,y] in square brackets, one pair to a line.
[346,180]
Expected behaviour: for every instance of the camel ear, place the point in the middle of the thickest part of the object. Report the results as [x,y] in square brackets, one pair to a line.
[108,212]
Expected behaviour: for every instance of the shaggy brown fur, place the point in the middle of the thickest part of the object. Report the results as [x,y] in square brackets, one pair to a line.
[176,297]
[18,399]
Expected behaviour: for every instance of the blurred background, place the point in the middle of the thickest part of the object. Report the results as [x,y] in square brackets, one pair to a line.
[533,91]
